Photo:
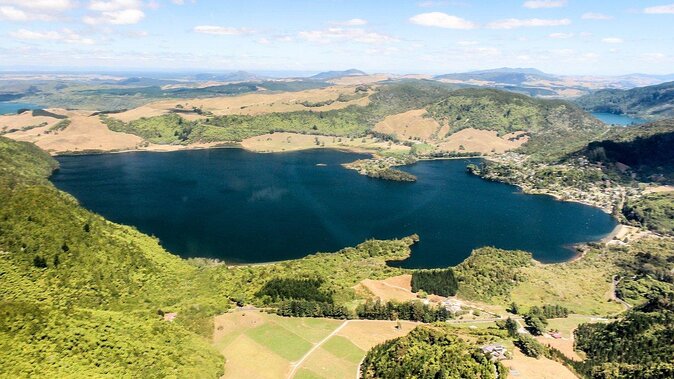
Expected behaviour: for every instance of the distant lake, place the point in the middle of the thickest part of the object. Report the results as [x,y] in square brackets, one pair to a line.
[617,119]
[11,108]
[245,207]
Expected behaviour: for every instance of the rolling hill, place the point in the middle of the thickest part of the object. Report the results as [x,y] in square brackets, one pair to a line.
[504,75]
[327,75]
[653,102]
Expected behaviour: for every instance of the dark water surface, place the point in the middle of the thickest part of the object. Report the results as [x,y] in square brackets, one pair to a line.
[245,207]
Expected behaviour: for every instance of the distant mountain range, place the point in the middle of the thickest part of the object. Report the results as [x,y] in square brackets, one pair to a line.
[327,75]
[647,102]
[236,76]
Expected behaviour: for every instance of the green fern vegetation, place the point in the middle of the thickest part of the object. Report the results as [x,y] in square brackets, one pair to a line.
[429,352]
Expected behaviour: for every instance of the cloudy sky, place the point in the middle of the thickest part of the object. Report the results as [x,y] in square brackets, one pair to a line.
[434,36]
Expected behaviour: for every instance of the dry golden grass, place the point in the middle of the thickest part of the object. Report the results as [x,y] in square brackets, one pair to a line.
[250,104]
[481,141]
[655,189]
[362,79]
[367,333]
[523,367]
[17,121]
[279,142]
[85,132]
[409,125]
[252,360]
[397,288]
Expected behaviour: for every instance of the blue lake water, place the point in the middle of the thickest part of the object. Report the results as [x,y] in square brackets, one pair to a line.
[617,119]
[10,108]
[245,207]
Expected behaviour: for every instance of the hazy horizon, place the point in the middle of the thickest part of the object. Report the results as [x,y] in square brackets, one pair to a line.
[562,37]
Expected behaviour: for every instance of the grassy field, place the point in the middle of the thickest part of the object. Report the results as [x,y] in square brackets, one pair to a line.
[261,345]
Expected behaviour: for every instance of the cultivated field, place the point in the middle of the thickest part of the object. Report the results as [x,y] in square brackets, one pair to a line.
[261,345]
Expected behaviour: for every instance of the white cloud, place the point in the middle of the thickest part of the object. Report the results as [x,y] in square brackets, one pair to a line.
[221,30]
[65,35]
[113,5]
[560,35]
[115,12]
[11,13]
[352,22]
[41,5]
[121,17]
[263,41]
[442,20]
[595,16]
[612,40]
[660,9]
[344,34]
[467,43]
[536,4]
[512,23]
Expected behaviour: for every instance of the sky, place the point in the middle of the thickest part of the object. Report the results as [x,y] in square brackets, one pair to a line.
[571,37]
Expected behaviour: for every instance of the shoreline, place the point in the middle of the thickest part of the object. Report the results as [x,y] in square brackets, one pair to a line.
[355,150]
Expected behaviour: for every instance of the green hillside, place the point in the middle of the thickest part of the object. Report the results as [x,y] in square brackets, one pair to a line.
[546,121]
[83,297]
[353,121]
[652,102]
[638,346]
[645,149]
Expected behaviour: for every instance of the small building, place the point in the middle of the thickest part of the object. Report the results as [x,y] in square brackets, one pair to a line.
[495,351]
[556,335]
[170,316]
[452,305]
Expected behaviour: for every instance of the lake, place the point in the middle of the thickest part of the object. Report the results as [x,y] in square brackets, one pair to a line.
[617,119]
[244,207]
[11,108]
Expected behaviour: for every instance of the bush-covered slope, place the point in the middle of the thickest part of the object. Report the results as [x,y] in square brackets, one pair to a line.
[650,102]
[647,149]
[428,352]
[80,295]
[546,121]
[653,211]
[638,346]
